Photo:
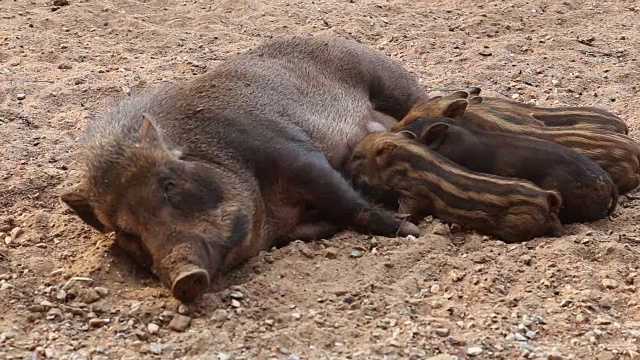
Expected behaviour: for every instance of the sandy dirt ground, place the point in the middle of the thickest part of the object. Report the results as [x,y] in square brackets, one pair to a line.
[67,293]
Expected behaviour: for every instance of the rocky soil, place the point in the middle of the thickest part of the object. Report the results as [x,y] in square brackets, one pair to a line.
[67,293]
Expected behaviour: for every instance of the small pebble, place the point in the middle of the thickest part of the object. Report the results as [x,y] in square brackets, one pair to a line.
[284,351]
[443,357]
[520,337]
[153,328]
[566,302]
[455,276]
[356,254]
[155,348]
[6,286]
[101,291]
[531,334]
[442,332]
[474,351]
[219,315]
[293,357]
[601,320]
[16,232]
[88,296]
[183,309]
[296,316]
[237,295]
[6,336]
[179,323]
[56,272]
[609,284]
[235,303]
[304,250]
[331,253]
[21,96]
[441,229]
[224,356]
[60,2]
[97,322]
[554,355]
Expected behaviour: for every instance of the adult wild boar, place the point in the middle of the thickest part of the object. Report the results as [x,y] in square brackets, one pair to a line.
[196,177]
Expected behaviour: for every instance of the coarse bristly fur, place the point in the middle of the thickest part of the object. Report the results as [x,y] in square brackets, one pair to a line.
[616,153]
[395,165]
[196,177]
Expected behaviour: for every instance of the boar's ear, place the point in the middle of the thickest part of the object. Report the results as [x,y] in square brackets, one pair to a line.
[82,207]
[435,135]
[455,109]
[383,151]
[149,133]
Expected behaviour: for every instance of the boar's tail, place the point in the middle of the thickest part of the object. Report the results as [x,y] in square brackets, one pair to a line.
[614,200]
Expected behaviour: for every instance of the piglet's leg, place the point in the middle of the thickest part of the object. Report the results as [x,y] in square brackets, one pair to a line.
[325,189]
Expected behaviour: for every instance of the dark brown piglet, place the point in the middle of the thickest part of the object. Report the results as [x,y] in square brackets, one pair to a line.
[616,153]
[564,117]
[394,165]
[198,176]
[587,191]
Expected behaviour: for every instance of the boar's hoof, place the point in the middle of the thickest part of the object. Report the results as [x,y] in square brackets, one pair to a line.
[188,285]
[408,228]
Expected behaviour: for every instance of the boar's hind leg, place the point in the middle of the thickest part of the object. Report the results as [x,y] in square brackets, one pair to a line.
[329,192]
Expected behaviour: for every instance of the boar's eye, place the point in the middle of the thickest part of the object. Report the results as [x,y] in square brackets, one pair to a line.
[168,186]
[357,157]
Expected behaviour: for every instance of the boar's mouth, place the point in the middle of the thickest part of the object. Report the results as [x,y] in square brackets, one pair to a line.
[133,245]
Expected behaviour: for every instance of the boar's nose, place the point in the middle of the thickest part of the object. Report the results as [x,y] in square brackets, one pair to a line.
[185,269]
[189,282]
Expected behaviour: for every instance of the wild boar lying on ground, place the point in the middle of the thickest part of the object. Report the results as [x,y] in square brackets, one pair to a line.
[196,177]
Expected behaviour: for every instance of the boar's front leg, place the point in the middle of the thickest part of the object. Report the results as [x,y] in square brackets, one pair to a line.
[326,190]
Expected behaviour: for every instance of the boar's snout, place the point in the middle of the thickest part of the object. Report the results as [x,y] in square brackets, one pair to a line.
[187,267]
[189,282]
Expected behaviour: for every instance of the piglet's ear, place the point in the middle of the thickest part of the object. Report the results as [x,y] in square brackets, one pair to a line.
[80,204]
[407,134]
[435,135]
[149,132]
[475,100]
[384,150]
[459,94]
[455,109]
[473,90]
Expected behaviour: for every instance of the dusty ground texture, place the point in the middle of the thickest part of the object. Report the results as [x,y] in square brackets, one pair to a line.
[350,297]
